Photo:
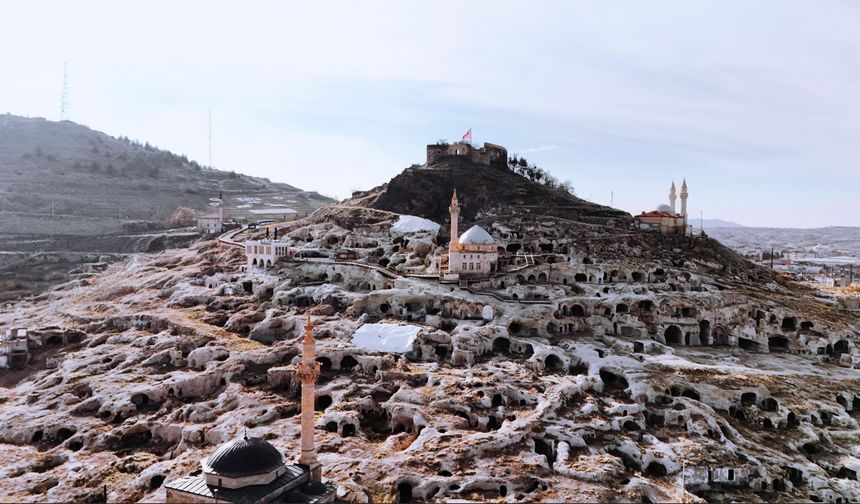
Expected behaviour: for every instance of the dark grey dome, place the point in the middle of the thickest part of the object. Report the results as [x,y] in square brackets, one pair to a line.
[245,457]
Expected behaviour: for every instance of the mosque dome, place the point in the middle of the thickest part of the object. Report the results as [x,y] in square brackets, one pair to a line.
[476,235]
[244,457]
[664,208]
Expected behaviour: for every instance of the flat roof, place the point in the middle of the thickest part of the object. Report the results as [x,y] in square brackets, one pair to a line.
[659,213]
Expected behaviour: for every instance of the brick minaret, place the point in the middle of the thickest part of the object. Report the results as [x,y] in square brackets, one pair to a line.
[455,222]
[308,371]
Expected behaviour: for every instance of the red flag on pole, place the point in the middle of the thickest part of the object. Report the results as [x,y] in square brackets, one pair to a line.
[468,135]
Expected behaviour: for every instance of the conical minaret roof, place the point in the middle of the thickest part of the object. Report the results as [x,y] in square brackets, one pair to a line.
[309,331]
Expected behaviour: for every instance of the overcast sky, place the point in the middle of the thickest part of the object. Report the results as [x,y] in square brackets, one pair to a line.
[755,103]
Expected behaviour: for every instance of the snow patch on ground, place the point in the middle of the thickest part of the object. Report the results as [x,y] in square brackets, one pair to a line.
[261,211]
[385,337]
[412,224]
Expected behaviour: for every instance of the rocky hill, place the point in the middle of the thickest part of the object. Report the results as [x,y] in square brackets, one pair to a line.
[600,363]
[484,190]
[65,178]
[494,196]
[71,196]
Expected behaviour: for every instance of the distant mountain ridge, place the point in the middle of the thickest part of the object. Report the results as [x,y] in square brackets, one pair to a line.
[716,223]
[840,240]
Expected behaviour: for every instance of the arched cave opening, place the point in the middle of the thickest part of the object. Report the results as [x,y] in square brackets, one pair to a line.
[777,344]
[748,344]
[348,362]
[323,402]
[404,493]
[553,362]
[325,363]
[613,381]
[673,335]
[656,470]
[501,345]
[348,430]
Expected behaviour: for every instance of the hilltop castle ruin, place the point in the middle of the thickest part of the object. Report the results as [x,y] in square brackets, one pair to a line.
[489,154]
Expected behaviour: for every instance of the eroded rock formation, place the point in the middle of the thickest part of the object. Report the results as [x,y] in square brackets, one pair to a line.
[604,364]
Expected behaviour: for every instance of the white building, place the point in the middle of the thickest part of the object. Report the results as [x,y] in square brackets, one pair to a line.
[211,223]
[824,280]
[265,253]
[665,219]
[473,254]
[14,348]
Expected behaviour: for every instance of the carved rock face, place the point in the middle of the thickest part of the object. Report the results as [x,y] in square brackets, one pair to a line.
[602,362]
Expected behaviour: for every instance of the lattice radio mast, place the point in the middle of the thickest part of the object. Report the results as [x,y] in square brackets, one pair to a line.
[64,99]
[210,139]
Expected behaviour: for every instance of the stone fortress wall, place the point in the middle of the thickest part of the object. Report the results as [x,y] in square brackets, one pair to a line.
[489,154]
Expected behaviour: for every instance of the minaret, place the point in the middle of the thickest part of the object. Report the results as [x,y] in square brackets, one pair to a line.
[684,199]
[308,371]
[455,222]
[672,196]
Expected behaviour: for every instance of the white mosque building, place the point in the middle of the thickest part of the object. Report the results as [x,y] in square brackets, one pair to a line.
[474,254]
[665,218]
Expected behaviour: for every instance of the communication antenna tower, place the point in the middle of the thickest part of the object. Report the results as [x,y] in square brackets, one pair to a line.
[64,99]
[210,138]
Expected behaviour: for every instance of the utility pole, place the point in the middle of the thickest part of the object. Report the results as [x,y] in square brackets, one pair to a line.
[612,199]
